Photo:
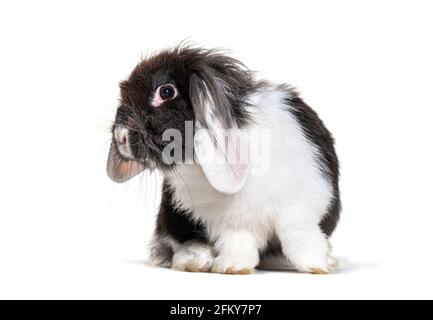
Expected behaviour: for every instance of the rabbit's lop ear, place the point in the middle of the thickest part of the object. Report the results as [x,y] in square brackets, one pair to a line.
[119,169]
[220,148]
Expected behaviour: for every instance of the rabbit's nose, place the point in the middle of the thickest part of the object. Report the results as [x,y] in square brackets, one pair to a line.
[120,134]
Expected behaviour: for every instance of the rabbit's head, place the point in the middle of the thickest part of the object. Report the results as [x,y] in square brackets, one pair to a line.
[167,99]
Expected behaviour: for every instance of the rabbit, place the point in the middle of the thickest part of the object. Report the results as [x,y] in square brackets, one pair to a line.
[221,217]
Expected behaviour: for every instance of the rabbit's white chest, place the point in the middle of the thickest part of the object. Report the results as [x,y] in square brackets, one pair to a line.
[220,212]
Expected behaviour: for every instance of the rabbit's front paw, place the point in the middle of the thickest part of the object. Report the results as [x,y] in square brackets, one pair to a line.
[193,257]
[233,265]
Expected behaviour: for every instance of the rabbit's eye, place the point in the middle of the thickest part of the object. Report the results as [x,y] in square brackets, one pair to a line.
[163,93]
[167,92]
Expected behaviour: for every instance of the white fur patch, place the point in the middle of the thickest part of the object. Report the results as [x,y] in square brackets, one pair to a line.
[121,135]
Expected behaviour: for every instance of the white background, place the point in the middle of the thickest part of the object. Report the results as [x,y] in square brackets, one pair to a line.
[66,231]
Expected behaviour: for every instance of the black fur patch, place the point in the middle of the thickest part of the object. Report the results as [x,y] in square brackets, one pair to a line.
[177,223]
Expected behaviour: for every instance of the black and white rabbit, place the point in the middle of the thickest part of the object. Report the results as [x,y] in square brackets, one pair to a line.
[221,217]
